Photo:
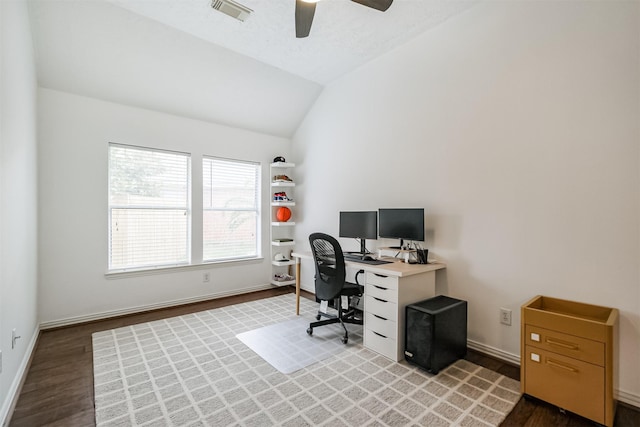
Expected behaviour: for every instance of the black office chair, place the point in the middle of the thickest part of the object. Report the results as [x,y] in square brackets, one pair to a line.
[331,284]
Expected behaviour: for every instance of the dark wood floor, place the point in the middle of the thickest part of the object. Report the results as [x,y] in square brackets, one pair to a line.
[58,390]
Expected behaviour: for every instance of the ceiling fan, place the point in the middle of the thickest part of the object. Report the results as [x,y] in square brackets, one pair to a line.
[305,9]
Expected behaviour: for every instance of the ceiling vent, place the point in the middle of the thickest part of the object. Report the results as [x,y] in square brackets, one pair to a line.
[232,8]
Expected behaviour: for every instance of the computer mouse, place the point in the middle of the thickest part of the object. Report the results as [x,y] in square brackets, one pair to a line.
[368,258]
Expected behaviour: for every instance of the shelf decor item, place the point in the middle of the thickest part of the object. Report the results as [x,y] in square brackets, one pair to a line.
[283,214]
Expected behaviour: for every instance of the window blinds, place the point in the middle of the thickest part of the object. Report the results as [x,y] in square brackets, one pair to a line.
[230,209]
[149,215]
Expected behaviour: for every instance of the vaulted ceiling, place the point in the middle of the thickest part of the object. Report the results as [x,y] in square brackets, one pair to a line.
[182,57]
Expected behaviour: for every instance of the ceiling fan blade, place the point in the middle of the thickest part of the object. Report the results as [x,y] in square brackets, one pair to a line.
[304,17]
[381,5]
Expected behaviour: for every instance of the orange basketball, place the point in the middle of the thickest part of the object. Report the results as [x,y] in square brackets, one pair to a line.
[283,214]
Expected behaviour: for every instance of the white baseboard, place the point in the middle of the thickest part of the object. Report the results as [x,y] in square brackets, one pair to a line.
[132,310]
[628,398]
[11,399]
[514,359]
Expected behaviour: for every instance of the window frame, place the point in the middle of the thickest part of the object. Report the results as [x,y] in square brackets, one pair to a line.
[195,221]
[257,209]
[188,211]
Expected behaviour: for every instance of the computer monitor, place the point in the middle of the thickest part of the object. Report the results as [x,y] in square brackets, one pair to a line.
[401,223]
[359,225]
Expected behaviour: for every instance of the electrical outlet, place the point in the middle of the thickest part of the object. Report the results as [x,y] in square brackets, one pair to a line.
[206,277]
[505,316]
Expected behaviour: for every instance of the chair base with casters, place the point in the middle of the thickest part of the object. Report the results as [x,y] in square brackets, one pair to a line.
[343,316]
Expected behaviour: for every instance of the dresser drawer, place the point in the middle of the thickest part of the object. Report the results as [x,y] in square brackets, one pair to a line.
[567,345]
[381,325]
[381,292]
[389,282]
[381,344]
[568,383]
[382,308]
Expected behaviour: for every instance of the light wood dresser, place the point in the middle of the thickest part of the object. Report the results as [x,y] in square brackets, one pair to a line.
[569,356]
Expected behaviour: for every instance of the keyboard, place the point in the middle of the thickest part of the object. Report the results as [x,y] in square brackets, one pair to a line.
[372,261]
[358,258]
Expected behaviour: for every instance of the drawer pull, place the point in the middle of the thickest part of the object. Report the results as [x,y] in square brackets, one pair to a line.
[561,366]
[380,317]
[380,275]
[380,335]
[561,344]
[379,299]
[381,287]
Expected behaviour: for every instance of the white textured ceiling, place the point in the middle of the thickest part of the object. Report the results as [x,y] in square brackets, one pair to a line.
[184,58]
[343,36]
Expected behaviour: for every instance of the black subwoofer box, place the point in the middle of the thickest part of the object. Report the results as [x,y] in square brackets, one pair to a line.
[436,332]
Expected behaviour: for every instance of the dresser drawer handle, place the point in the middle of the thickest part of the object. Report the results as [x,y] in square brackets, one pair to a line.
[381,300]
[561,344]
[380,275]
[561,366]
[380,335]
[380,317]
[381,287]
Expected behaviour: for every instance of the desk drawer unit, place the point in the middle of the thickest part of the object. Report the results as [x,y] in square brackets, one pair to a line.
[568,356]
[384,308]
[381,314]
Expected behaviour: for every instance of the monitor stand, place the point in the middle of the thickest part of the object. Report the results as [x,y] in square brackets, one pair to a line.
[363,247]
[363,250]
[398,247]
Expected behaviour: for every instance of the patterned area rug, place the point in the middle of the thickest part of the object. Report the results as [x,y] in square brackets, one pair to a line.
[192,370]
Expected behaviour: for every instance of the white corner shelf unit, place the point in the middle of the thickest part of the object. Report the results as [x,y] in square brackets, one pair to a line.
[282,232]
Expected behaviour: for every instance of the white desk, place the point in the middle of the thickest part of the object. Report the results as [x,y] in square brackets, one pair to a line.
[388,289]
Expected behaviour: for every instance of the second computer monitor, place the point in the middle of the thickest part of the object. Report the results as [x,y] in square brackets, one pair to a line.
[402,223]
[359,225]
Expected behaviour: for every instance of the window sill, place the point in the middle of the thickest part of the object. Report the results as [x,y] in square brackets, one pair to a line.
[121,274]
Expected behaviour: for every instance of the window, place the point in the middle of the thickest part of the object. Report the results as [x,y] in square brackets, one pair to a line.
[149,208]
[230,209]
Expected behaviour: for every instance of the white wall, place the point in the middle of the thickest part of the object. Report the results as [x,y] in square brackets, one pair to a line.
[515,125]
[73,135]
[101,50]
[18,201]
